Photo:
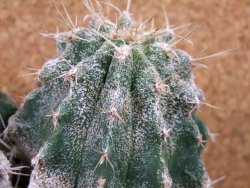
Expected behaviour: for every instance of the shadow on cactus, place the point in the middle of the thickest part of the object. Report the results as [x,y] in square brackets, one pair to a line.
[7,108]
[12,171]
[116,108]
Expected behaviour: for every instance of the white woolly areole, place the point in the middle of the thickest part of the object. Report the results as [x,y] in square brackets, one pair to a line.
[123,52]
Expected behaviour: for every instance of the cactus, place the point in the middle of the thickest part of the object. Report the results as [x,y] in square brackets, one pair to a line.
[4,170]
[7,108]
[116,108]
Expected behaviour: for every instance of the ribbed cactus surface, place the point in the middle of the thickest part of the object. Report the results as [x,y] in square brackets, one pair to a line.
[116,108]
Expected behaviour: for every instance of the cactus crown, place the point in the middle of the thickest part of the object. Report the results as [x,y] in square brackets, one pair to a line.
[116,108]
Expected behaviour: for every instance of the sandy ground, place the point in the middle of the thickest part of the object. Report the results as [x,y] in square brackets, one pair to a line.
[226,83]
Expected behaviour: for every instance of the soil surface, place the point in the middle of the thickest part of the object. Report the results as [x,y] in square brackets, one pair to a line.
[226,83]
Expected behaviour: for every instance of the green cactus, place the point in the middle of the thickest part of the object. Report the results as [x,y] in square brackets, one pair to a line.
[116,108]
[7,108]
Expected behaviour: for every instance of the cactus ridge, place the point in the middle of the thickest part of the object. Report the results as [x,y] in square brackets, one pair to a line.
[116,108]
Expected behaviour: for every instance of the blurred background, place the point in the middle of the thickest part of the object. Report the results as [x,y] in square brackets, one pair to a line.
[226,83]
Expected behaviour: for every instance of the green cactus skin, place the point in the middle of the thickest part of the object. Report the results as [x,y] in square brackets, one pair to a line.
[32,124]
[115,109]
[7,108]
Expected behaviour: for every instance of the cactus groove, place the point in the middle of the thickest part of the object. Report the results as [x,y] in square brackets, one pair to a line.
[116,108]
